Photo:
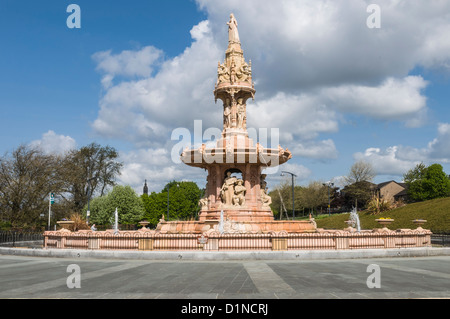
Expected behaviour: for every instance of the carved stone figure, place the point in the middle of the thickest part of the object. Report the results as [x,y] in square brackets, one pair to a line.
[223,74]
[203,203]
[243,73]
[227,114]
[227,191]
[240,113]
[265,198]
[239,193]
[233,34]
[233,72]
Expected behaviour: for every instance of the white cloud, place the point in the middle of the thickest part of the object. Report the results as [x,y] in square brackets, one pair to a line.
[302,44]
[145,111]
[155,166]
[397,160]
[339,181]
[313,62]
[127,63]
[311,59]
[52,143]
[394,99]
[319,150]
[386,162]
[439,148]
[302,116]
[274,175]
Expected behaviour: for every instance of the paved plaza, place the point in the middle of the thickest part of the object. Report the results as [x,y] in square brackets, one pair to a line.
[90,278]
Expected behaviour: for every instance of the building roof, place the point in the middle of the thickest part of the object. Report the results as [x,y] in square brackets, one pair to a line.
[381,185]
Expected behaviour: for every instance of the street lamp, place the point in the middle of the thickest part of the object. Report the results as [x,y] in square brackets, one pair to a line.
[88,213]
[292,176]
[329,184]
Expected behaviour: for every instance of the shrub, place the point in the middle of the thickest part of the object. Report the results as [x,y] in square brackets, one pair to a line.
[378,205]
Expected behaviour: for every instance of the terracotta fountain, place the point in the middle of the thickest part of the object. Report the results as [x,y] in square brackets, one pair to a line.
[236,187]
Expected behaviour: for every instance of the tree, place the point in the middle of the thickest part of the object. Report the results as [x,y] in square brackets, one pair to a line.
[129,206]
[358,194]
[415,174]
[311,197]
[182,197]
[282,199]
[359,186]
[27,177]
[88,171]
[155,206]
[359,172]
[414,179]
[426,183]
[436,182]
[314,195]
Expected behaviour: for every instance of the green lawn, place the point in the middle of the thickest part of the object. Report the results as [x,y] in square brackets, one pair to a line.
[436,212]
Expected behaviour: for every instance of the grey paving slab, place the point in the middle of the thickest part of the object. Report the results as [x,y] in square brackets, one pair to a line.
[45,277]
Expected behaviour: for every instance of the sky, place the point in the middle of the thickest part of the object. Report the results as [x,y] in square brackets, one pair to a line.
[341,81]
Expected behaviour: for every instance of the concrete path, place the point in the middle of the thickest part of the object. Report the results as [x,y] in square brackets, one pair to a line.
[87,278]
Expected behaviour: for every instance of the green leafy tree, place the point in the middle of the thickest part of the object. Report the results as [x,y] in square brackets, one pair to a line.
[129,206]
[426,183]
[314,195]
[182,198]
[282,200]
[414,179]
[436,183]
[155,206]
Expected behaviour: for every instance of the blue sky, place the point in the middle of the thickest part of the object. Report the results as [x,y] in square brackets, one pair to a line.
[136,70]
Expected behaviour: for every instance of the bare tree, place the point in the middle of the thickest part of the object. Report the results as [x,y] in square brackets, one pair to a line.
[361,171]
[87,171]
[27,177]
[281,196]
[359,182]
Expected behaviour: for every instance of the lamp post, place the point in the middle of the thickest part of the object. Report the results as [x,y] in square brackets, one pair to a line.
[292,177]
[51,200]
[88,213]
[329,184]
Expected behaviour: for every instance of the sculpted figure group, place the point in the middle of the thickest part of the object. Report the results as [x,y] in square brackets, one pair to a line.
[234,74]
[236,118]
[234,70]
[233,191]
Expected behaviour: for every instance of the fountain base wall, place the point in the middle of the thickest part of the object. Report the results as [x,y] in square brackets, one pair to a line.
[235,226]
[212,240]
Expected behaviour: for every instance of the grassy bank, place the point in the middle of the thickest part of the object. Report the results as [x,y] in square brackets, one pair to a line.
[436,212]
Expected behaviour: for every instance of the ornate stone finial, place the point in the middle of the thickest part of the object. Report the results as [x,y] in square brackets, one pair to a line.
[234,84]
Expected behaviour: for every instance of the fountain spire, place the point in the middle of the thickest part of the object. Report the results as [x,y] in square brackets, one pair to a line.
[234,83]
